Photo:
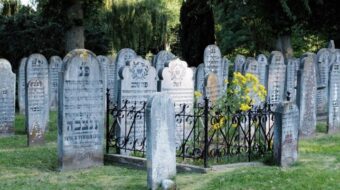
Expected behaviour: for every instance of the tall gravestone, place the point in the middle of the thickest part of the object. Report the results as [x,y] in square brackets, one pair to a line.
[104,62]
[111,80]
[291,79]
[161,150]
[239,62]
[137,83]
[213,64]
[21,85]
[54,69]
[199,81]
[333,121]
[176,80]
[276,78]
[37,99]
[225,74]
[323,66]
[252,66]
[263,69]
[306,99]
[161,58]
[123,57]
[212,88]
[81,112]
[7,98]
[286,134]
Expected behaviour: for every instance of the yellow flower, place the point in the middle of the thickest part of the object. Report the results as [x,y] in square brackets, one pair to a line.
[226,81]
[216,126]
[197,94]
[84,55]
[244,107]
[222,119]
[234,125]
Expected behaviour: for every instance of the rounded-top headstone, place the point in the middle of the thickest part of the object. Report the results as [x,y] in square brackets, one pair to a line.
[239,62]
[54,69]
[161,58]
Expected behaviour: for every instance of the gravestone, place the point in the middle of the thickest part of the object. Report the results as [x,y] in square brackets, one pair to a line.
[213,63]
[104,62]
[286,134]
[323,66]
[240,60]
[212,88]
[21,85]
[161,58]
[123,57]
[334,99]
[306,98]
[111,81]
[252,66]
[291,79]
[54,69]
[276,78]
[137,83]
[263,70]
[37,99]
[176,80]
[7,98]
[81,112]
[225,74]
[199,82]
[161,152]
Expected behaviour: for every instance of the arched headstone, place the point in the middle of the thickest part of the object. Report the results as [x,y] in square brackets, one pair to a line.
[161,58]
[276,78]
[333,121]
[54,69]
[263,69]
[238,63]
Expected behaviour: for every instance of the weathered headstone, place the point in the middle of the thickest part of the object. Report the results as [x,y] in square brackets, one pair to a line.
[176,80]
[225,74]
[334,99]
[252,66]
[37,99]
[161,150]
[213,63]
[111,81]
[212,88]
[7,98]
[54,69]
[104,62]
[240,60]
[306,98]
[286,134]
[161,58]
[81,112]
[323,66]
[21,85]
[291,79]
[123,57]
[276,78]
[199,81]
[263,69]
[137,83]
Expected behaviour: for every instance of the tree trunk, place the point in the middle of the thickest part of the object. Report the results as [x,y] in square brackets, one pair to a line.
[283,44]
[74,36]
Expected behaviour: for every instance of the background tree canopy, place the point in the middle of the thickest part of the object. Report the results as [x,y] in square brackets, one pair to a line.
[185,27]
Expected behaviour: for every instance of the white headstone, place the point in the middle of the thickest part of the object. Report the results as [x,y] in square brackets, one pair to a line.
[213,63]
[81,112]
[161,150]
[276,78]
[7,98]
[37,99]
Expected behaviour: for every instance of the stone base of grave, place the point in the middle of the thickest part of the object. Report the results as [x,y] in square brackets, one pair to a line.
[140,163]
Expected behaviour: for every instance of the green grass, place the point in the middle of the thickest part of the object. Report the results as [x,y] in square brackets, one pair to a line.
[35,168]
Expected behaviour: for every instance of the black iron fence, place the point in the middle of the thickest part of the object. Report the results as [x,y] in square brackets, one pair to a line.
[205,134]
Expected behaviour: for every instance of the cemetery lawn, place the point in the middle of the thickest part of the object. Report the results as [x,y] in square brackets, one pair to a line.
[36,168]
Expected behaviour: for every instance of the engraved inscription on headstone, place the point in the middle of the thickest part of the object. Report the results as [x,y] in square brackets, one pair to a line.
[81,112]
[263,69]
[7,98]
[276,78]
[54,69]
[137,83]
[240,60]
[161,150]
[334,99]
[252,66]
[306,99]
[213,63]
[176,80]
[37,99]
[291,79]
[286,134]
[21,85]
[322,80]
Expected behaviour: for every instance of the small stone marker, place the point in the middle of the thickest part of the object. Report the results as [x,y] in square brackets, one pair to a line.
[263,69]
[240,60]
[81,112]
[276,78]
[211,88]
[137,83]
[54,69]
[37,99]
[176,80]
[252,66]
[334,99]
[161,150]
[291,79]
[306,99]
[7,98]
[286,134]
[21,85]
[323,66]
[199,81]
[161,58]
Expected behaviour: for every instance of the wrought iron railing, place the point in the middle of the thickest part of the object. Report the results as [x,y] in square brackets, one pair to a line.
[210,133]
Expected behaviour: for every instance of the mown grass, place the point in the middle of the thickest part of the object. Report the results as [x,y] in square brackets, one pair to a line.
[36,168]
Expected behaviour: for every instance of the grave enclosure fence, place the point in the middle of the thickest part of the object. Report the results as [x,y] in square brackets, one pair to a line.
[210,134]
